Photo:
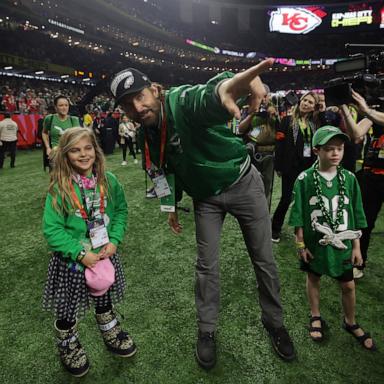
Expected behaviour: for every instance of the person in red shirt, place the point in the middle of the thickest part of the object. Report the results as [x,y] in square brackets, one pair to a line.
[9,101]
[32,104]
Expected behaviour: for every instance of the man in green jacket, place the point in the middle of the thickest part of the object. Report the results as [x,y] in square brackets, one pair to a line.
[185,134]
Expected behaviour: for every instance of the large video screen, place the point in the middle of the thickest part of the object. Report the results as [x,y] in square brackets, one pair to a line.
[348,18]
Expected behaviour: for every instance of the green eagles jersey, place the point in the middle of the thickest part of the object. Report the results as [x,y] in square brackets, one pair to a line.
[56,127]
[327,259]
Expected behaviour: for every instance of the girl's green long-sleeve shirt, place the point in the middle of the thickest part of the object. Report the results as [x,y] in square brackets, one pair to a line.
[66,233]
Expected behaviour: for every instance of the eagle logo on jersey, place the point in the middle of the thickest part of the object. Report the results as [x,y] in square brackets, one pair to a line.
[334,239]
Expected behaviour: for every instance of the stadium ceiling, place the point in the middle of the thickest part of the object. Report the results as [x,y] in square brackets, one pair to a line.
[268,3]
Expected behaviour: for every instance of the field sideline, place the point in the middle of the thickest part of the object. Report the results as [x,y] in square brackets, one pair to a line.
[159,307]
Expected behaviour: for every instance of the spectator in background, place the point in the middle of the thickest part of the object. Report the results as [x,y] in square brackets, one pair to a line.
[97,124]
[8,139]
[108,127]
[294,153]
[87,120]
[32,104]
[22,103]
[322,106]
[9,101]
[54,125]
[259,131]
[371,178]
[42,104]
[127,132]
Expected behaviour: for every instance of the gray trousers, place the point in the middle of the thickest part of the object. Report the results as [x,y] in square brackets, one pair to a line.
[246,201]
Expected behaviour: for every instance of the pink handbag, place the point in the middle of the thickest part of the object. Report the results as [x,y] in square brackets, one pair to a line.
[100,277]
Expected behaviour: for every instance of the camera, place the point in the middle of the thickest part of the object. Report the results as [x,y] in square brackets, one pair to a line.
[363,73]
[285,102]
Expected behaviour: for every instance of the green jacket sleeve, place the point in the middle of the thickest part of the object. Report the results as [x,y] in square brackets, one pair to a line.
[58,237]
[118,224]
[201,102]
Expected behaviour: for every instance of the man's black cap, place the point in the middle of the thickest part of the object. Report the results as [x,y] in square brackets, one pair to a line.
[127,82]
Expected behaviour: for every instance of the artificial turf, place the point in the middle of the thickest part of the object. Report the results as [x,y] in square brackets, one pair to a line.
[159,307]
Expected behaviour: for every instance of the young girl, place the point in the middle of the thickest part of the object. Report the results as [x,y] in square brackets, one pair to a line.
[84,220]
[327,214]
[127,132]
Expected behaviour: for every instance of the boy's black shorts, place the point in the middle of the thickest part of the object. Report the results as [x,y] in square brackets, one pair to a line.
[345,277]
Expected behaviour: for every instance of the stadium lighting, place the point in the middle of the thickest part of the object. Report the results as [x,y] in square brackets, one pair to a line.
[64,76]
[39,72]
[8,68]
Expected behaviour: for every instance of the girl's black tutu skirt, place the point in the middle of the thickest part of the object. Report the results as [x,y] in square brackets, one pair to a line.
[66,293]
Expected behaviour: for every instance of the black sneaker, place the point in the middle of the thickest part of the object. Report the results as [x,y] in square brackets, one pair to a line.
[275,237]
[282,343]
[206,349]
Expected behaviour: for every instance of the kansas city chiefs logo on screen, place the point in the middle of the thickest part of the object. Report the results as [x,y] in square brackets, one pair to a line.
[295,20]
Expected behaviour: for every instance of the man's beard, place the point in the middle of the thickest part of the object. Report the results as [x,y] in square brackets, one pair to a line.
[152,122]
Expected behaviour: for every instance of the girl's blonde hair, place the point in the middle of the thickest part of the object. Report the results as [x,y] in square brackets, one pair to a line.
[61,175]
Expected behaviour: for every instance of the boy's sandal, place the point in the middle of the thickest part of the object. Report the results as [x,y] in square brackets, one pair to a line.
[320,330]
[361,339]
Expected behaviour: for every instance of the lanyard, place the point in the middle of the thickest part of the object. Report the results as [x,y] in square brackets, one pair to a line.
[81,207]
[305,130]
[162,141]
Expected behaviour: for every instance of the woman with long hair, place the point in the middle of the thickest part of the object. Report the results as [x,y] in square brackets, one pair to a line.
[294,152]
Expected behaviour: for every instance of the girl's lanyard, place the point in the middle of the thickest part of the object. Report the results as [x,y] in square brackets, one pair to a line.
[96,230]
[306,132]
[157,176]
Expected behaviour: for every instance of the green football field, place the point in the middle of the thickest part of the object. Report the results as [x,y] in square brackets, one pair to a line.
[159,308]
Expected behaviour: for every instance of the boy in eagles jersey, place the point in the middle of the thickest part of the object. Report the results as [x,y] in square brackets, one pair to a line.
[327,214]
